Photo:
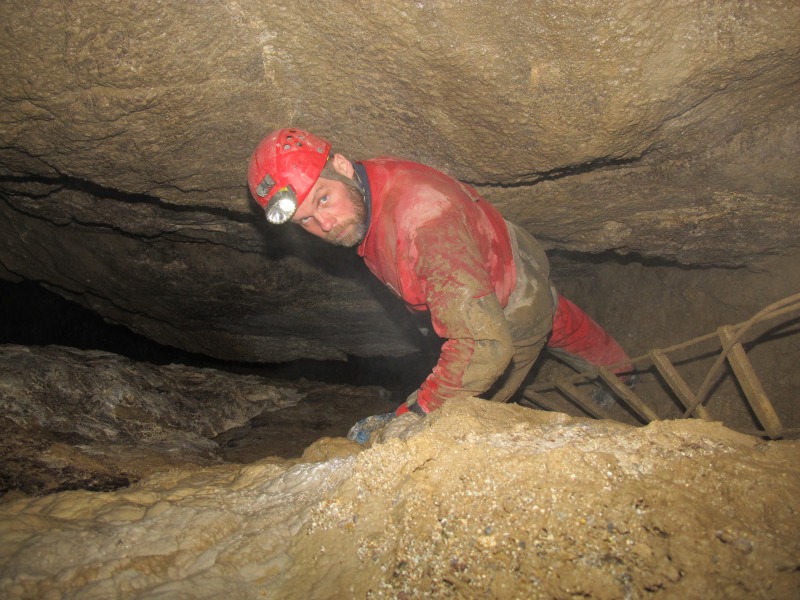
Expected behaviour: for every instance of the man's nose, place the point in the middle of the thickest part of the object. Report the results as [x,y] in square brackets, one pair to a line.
[326,221]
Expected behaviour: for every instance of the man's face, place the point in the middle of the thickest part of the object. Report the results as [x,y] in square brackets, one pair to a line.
[334,212]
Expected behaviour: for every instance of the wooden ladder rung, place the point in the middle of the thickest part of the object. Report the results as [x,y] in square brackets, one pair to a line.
[582,401]
[539,400]
[751,385]
[677,384]
[626,395]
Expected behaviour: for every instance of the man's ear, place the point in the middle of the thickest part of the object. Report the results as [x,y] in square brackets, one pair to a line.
[342,165]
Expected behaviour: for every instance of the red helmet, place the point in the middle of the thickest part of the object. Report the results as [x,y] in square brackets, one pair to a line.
[283,168]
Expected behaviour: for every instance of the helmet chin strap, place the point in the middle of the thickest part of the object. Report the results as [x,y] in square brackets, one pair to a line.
[328,172]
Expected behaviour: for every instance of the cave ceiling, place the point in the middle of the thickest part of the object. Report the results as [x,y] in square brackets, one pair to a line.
[664,130]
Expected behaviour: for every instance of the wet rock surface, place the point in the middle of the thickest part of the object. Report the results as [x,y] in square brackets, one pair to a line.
[93,420]
[476,500]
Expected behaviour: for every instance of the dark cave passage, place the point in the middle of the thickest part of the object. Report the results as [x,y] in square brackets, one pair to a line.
[35,316]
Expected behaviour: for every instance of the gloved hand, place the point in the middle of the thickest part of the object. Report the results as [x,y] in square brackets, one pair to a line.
[363,430]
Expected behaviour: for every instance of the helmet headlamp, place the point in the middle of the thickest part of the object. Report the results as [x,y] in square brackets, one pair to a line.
[282,206]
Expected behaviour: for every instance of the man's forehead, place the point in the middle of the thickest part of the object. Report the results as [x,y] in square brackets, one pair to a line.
[321,187]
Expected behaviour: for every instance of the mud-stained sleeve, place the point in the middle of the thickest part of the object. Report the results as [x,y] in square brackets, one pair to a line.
[464,310]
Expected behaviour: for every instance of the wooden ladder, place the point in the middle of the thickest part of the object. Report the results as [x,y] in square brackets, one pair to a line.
[732,351]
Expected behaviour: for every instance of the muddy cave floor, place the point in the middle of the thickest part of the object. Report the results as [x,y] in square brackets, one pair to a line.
[578,508]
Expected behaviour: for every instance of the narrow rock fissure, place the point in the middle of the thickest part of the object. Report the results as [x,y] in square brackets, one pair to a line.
[533,179]
[55,184]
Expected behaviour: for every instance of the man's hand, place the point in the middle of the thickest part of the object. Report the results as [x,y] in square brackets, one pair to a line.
[363,430]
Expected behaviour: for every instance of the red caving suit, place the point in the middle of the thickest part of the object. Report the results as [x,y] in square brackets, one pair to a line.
[441,247]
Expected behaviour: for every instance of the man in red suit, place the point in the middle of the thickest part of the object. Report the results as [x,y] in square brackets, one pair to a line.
[440,247]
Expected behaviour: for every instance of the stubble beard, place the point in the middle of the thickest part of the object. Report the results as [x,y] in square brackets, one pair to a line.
[355,228]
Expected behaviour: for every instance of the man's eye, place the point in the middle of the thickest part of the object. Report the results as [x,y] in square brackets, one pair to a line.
[323,200]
